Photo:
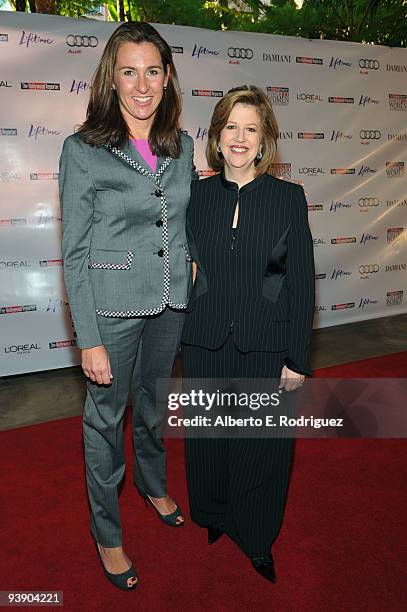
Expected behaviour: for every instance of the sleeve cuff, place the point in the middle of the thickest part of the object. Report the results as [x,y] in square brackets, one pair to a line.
[291,365]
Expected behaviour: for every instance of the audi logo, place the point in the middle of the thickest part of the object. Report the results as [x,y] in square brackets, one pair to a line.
[370,64]
[368,269]
[368,202]
[370,134]
[75,40]
[238,53]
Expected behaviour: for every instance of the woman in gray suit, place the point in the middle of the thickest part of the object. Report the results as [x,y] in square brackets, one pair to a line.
[125,185]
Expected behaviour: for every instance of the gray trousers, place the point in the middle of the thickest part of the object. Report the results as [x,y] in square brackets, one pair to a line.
[140,351]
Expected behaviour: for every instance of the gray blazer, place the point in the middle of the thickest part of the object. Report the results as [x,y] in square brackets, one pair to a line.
[123,233]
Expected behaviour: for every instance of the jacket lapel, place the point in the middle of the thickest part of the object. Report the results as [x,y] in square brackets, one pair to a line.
[130,156]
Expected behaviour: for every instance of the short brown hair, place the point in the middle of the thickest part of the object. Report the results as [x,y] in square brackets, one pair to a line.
[104,121]
[253,96]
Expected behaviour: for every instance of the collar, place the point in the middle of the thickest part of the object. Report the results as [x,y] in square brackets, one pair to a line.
[131,157]
[246,188]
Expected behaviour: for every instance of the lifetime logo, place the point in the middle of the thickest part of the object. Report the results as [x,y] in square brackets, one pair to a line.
[368,268]
[367,237]
[338,273]
[365,301]
[76,40]
[198,51]
[239,53]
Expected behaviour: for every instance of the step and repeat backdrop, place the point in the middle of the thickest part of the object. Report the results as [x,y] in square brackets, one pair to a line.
[341,109]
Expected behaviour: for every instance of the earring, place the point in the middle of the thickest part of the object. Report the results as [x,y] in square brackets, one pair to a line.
[113,88]
[260,154]
[218,148]
[165,88]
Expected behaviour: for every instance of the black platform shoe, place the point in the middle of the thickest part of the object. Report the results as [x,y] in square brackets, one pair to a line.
[214,533]
[265,567]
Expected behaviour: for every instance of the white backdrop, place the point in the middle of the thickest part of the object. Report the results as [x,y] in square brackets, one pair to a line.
[341,109]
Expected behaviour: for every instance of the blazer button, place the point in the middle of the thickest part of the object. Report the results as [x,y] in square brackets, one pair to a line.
[160,253]
[158,193]
[159,223]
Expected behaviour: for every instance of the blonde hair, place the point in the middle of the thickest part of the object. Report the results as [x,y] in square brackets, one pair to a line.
[253,96]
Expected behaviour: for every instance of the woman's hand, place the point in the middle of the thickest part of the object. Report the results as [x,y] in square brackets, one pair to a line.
[290,381]
[96,365]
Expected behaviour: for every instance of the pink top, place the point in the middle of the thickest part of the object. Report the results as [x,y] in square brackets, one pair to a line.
[143,148]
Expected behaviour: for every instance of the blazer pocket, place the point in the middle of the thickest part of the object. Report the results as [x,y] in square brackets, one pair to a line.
[102,259]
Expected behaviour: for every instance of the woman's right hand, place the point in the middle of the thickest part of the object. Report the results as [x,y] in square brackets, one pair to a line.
[96,365]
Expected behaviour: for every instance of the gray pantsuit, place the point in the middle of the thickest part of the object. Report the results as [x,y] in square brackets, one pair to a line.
[141,350]
[127,272]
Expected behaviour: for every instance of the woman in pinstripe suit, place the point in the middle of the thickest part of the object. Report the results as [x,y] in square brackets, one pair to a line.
[250,316]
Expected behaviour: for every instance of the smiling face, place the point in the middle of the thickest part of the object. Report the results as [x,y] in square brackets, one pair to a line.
[139,78]
[240,139]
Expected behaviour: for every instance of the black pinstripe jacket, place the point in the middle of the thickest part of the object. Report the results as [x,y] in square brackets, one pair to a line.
[260,284]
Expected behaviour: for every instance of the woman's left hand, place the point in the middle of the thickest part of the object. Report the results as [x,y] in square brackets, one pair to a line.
[290,381]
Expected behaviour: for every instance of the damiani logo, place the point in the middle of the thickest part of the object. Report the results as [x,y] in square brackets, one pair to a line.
[276,57]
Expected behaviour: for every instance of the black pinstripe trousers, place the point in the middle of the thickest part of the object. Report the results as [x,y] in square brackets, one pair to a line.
[237,484]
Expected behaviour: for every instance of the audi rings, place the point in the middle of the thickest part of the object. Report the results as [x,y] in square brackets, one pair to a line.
[370,134]
[370,64]
[368,269]
[363,202]
[237,53]
[76,40]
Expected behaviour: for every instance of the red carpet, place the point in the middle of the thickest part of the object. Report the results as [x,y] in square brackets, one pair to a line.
[340,547]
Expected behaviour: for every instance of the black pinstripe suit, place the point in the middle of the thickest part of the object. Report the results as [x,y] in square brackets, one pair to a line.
[250,312]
